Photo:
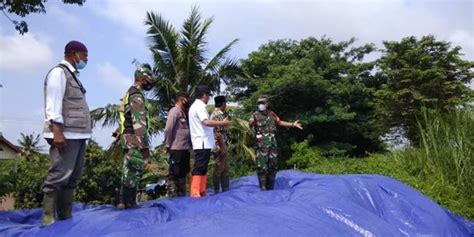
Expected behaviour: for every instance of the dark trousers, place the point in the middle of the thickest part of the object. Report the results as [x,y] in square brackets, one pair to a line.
[65,166]
[178,169]
[179,164]
[201,161]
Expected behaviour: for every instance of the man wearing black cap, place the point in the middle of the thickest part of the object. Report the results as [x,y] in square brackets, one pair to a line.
[202,139]
[67,127]
[221,170]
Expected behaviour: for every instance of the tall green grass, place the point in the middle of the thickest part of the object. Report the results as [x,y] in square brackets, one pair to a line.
[446,148]
[444,158]
[441,167]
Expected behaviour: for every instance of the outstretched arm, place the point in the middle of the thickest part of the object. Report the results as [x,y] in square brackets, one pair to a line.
[295,124]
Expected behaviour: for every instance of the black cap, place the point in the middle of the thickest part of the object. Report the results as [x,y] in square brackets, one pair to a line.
[219,99]
[204,89]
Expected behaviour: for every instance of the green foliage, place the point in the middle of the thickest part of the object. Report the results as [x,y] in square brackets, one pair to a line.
[324,84]
[420,73]
[101,177]
[441,168]
[29,144]
[99,184]
[241,154]
[180,64]
[26,182]
[304,156]
[26,7]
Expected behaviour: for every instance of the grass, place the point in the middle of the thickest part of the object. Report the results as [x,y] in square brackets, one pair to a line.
[442,167]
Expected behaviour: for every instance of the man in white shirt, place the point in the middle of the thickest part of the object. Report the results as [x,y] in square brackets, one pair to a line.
[67,127]
[202,138]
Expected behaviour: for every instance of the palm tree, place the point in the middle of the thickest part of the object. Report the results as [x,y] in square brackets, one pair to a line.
[180,65]
[29,144]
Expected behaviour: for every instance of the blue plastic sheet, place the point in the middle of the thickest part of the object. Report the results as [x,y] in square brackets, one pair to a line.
[301,205]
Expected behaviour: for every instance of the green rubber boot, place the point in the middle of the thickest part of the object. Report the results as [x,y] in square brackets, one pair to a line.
[49,200]
[64,200]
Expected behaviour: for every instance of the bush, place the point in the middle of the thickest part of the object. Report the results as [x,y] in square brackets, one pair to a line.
[26,182]
[100,181]
[441,168]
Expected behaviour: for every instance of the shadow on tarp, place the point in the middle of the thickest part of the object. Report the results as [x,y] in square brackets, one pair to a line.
[302,204]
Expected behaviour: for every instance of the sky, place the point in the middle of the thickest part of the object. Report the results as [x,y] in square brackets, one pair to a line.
[115,34]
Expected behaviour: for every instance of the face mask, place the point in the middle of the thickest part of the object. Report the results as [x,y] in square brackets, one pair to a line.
[148,87]
[81,64]
[262,107]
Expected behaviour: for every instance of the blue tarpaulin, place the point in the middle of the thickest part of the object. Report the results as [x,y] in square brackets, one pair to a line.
[302,204]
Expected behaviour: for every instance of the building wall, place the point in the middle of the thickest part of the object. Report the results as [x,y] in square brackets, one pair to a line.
[6,152]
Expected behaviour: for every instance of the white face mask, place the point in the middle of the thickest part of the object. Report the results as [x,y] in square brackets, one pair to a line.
[262,107]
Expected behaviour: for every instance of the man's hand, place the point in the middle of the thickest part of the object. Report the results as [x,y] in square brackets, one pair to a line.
[297,124]
[226,122]
[58,137]
[166,149]
[150,166]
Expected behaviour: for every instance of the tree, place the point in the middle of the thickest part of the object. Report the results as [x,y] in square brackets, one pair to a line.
[101,176]
[180,65]
[26,7]
[29,144]
[420,73]
[324,84]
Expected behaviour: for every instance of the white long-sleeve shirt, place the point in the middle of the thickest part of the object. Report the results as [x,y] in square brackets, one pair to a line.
[55,89]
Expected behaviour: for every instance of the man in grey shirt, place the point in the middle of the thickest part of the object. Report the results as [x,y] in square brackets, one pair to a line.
[178,143]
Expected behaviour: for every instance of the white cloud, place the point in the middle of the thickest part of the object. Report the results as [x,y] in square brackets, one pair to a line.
[256,22]
[112,77]
[465,40]
[70,20]
[22,53]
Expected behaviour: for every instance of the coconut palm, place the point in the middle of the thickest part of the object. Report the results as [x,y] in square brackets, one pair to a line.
[180,65]
[29,144]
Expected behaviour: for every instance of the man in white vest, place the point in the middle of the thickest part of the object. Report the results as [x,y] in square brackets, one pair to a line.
[67,128]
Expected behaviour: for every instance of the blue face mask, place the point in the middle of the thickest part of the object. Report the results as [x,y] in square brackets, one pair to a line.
[81,64]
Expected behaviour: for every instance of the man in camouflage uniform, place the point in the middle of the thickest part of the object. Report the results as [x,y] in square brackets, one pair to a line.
[221,169]
[134,135]
[265,122]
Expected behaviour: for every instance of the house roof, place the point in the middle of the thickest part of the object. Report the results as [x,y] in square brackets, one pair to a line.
[9,144]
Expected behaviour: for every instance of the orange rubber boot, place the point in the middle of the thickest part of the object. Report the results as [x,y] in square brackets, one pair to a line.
[195,187]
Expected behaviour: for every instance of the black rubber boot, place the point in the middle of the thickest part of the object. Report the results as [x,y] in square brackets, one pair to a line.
[64,201]
[182,187]
[270,181]
[125,197]
[172,187]
[49,208]
[132,198]
[216,182]
[225,182]
[262,181]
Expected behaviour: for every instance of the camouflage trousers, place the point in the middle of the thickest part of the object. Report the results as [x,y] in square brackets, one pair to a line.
[133,165]
[266,158]
[266,166]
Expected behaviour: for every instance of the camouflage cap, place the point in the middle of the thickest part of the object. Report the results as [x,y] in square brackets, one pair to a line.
[262,98]
[145,70]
